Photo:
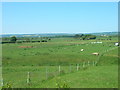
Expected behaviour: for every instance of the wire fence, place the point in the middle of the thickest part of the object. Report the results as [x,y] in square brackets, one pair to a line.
[47,73]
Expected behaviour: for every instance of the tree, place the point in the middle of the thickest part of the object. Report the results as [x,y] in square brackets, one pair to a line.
[77,35]
[28,39]
[83,37]
[92,37]
[13,39]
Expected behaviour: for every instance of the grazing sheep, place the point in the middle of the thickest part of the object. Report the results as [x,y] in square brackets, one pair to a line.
[95,53]
[116,44]
[95,42]
[82,50]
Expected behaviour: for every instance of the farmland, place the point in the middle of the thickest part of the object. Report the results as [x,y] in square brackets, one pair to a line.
[60,63]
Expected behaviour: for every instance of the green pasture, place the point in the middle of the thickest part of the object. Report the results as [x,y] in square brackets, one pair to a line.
[52,53]
[45,57]
[90,77]
[93,77]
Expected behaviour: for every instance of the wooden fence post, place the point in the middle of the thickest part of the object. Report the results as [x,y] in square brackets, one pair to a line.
[46,73]
[93,63]
[77,67]
[2,84]
[96,63]
[28,78]
[83,64]
[70,68]
[59,69]
[88,63]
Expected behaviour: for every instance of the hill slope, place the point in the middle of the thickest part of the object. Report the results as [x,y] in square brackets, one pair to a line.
[105,75]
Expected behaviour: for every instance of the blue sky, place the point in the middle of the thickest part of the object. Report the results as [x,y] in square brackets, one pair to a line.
[70,17]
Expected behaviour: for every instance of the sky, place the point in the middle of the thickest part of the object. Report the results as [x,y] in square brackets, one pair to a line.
[59,17]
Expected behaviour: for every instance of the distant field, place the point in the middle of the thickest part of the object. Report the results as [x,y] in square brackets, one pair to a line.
[56,52]
[37,58]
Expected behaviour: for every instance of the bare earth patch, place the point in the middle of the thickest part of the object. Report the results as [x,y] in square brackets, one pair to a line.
[25,46]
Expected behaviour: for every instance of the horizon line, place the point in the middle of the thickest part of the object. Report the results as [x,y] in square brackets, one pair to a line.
[57,32]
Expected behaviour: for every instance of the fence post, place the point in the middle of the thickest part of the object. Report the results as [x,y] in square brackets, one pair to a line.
[46,73]
[88,63]
[93,63]
[77,67]
[70,68]
[59,69]
[2,84]
[96,63]
[83,64]
[28,78]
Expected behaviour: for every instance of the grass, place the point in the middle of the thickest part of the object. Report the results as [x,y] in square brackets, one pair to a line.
[57,53]
[17,62]
[94,77]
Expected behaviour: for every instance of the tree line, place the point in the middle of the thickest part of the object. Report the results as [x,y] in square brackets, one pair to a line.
[85,36]
[14,39]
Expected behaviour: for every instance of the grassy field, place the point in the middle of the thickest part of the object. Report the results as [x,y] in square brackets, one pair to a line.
[77,69]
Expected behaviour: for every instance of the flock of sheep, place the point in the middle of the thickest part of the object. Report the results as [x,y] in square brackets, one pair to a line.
[92,53]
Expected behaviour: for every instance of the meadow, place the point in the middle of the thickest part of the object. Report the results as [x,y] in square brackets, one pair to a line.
[60,63]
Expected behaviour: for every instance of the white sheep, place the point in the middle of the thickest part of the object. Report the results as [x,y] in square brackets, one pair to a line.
[82,50]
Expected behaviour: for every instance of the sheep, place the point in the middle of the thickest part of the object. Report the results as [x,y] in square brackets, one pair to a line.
[95,53]
[82,50]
